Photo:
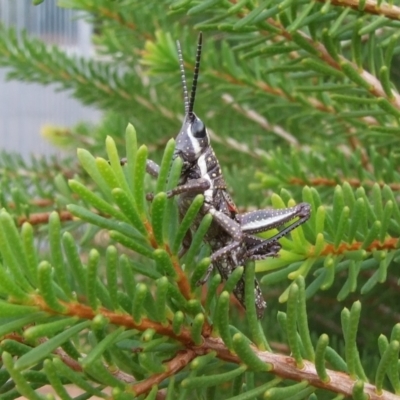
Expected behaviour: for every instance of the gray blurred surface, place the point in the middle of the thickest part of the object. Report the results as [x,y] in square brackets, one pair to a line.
[26,108]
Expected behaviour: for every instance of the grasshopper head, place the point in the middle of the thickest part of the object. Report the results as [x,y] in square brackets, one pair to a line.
[193,138]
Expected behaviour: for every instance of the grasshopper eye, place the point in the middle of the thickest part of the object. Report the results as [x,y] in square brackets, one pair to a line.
[198,129]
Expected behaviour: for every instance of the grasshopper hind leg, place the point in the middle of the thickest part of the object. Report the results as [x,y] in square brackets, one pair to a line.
[204,279]
[260,304]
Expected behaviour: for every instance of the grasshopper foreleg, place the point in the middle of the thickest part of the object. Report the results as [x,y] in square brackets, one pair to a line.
[152,168]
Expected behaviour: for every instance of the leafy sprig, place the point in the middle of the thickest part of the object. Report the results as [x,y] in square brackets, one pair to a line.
[172,326]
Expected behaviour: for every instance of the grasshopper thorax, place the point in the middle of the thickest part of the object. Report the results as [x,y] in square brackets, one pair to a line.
[193,139]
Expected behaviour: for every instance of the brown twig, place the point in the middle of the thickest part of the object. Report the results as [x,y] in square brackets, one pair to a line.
[333,182]
[282,365]
[118,319]
[260,120]
[36,203]
[371,7]
[285,367]
[264,87]
[182,280]
[388,244]
[180,361]
[43,218]
[375,87]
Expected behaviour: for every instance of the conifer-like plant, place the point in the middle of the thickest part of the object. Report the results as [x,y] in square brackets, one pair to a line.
[93,289]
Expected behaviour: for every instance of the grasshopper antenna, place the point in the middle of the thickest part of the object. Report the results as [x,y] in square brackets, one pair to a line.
[183,78]
[196,73]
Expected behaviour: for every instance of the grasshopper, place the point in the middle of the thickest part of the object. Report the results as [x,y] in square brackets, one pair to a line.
[231,234]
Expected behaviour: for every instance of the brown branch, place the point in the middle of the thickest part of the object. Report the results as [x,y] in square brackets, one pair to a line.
[180,361]
[285,367]
[375,89]
[66,76]
[260,120]
[251,114]
[36,203]
[64,357]
[236,145]
[388,244]
[43,218]
[53,169]
[333,182]
[107,13]
[182,281]
[85,312]
[371,7]
[282,365]
[264,87]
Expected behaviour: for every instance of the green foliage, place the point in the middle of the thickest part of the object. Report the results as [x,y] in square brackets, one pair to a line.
[93,290]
